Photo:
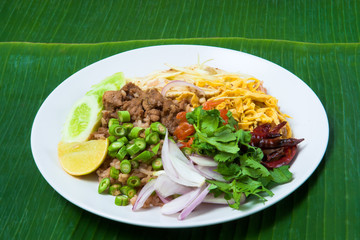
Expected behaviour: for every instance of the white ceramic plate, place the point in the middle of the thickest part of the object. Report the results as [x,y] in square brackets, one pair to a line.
[296,99]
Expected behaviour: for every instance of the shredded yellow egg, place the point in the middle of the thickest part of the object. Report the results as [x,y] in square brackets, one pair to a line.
[244,95]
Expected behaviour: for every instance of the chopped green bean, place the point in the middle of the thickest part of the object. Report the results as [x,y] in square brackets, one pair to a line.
[158,127]
[152,138]
[131,192]
[156,148]
[157,164]
[121,153]
[135,132]
[124,116]
[115,189]
[124,189]
[115,146]
[128,127]
[134,164]
[186,150]
[144,157]
[117,130]
[112,139]
[122,200]
[125,166]
[113,121]
[133,181]
[140,142]
[127,190]
[147,131]
[123,140]
[114,173]
[104,184]
[132,149]
[112,153]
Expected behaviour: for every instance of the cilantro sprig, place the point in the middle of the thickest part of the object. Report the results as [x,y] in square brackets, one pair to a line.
[238,161]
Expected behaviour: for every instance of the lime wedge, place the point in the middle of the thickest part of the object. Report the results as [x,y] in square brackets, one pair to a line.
[83,119]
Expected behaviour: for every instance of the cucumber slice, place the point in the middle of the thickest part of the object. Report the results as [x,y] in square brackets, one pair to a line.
[85,115]
[83,119]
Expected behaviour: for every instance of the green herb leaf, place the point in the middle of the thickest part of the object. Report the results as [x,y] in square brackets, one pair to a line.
[225,157]
[255,165]
[229,171]
[281,174]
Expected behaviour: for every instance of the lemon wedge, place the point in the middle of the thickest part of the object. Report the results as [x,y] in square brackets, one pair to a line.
[81,158]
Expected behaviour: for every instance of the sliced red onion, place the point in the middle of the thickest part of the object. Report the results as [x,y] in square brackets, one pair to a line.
[217,200]
[165,187]
[187,210]
[177,167]
[158,173]
[187,175]
[144,194]
[179,83]
[163,199]
[243,198]
[181,202]
[166,161]
[176,152]
[203,161]
[209,173]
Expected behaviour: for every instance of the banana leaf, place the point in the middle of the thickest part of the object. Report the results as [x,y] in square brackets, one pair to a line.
[70,21]
[324,207]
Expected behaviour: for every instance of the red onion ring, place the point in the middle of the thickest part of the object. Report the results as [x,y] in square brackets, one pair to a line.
[188,209]
[221,200]
[176,165]
[180,202]
[163,199]
[203,161]
[144,194]
[168,167]
[179,83]
[166,187]
[209,173]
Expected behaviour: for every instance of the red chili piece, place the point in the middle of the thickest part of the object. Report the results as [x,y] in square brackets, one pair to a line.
[277,128]
[212,104]
[188,143]
[285,160]
[277,151]
[223,115]
[184,130]
[265,131]
[276,143]
[181,116]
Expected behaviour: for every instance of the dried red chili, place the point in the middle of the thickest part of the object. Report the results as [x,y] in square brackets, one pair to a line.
[285,160]
[277,151]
